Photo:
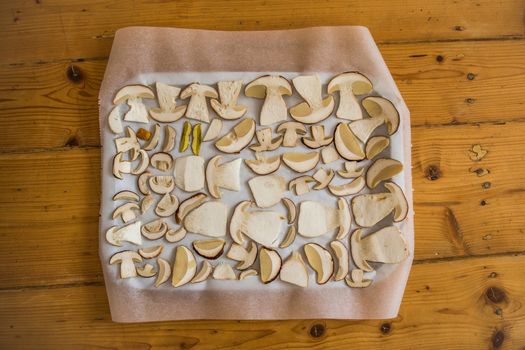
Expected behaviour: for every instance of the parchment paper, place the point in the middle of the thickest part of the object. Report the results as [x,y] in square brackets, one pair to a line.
[179,56]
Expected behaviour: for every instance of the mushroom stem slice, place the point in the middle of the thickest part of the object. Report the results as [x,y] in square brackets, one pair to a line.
[130,233]
[323,178]
[146,271]
[315,109]
[128,142]
[188,205]
[261,226]
[213,131]
[197,107]
[177,235]
[291,209]
[209,248]
[184,266]
[126,212]
[349,85]
[134,94]
[229,92]
[320,260]
[291,132]
[301,162]
[262,165]
[168,112]
[226,175]
[224,272]
[238,138]
[341,254]
[270,264]
[127,260]
[161,161]
[164,271]
[349,188]
[380,107]
[272,89]
[267,190]
[289,238]
[203,273]
[356,279]
[376,145]
[266,142]
[189,173]
[347,144]
[294,270]
[329,154]
[316,219]
[317,138]
[382,169]
[209,219]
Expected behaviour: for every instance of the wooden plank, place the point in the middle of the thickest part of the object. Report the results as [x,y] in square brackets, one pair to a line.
[466,304]
[42,108]
[51,30]
[51,200]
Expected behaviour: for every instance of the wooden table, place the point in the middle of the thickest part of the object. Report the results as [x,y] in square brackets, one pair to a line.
[460,65]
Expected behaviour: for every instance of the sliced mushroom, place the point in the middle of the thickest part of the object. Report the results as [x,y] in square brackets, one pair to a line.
[348,188]
[161,184]
[317,137]
[248,273]
[130,233]
[229,93]
[146,271]
[350,171]
[213,131]
[164,271]
[167,205]
[209,219]
[226,175]
[162,161]
[189,173]
[184,266]
[315,109]
[197,107]
[142,183]
[154,229]
[245,257]
[151,252]
[347,144]
[316,219]
[291,209]
[177,235]
[188,205]
[294,270]
[356,279]
[369,209]
[170,135]
[203,273]
[380,107]
[350,85]
[238,138]
[300,184]
[301,162]
[120,166]
[266,142]
[267,190]
[382,169]
[323,178]
[128,143]
[262,165]
[154,139]
[291,133]
[341,253]
[168,112]
[146,203]
[329,154]
[261,226]
[127,260]
[134,94]
[385,246]
[126,212]
[289,237]
[272,89]
[209,248]
[376,145]
[224,272]
[143,164]
[270,264]
[363,128]
[115,121]
[320,261]
[126,196]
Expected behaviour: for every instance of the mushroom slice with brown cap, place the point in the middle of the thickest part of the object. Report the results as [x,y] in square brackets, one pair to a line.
[320,261]
[267,190]
[177,235]
[386,246]
[161,184]
[226,175]
[356,279]
[115,122]
[349,85]
[248,273]
[376,145]
[167,205]
[154,139]
[168,112]
[128,142]
[261,226]
[323,178]
[288,238]
[301,162]
[341,253]
[120,166]
[127,260]
[266,142]
[262,165]
[147,271]
[142,183]
[380,107]
[238,138]
[229,92]
[316,219]
[130,233]
[315,109]
[197,107]
[188,205]
[169,139]
[134,94]
[213,131]
[291,132]
[382,169]
[363,128]
[329,154]
[369,209]
[151,252]
[347,144]
[224,272]
[203,273]
[300,184]
[209,248]
[294,270]
[270,264]
[164,272]
[146,203]
[189,173]
[162,161]
[272,89]
[291,209]
[143,164]
[126,212]
[126,196]
[245,257]
[184,266]
[348,188]
[154,229]
[350,171]
[209,219]
[317,138]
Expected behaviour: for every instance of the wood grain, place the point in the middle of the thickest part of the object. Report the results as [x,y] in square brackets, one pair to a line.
[447,305]
[42,106]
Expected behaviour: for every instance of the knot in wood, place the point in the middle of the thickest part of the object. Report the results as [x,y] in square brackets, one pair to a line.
[433,173]
[386,328]
[317,330]
[495,294]
[74,74]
